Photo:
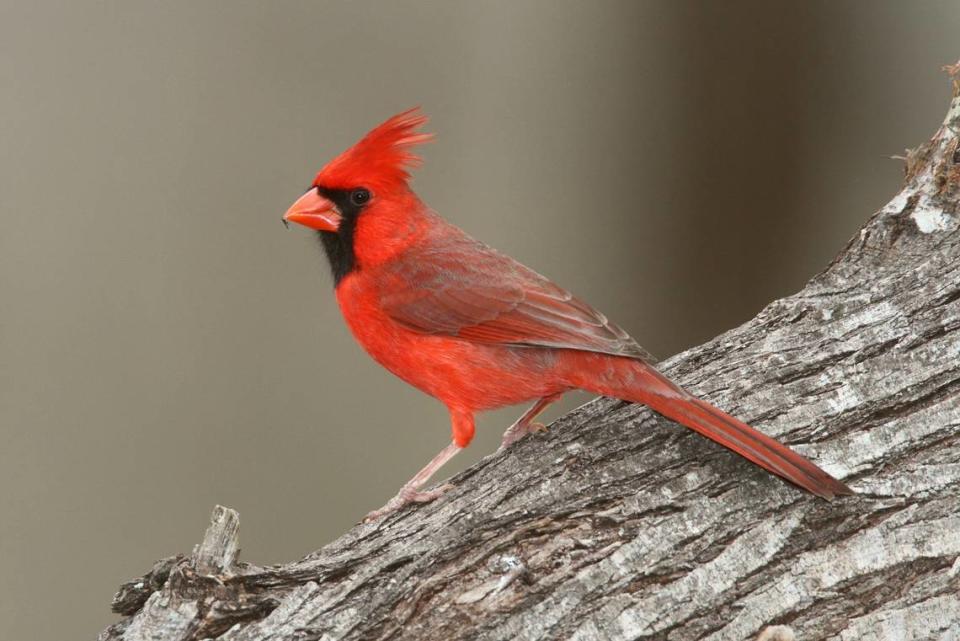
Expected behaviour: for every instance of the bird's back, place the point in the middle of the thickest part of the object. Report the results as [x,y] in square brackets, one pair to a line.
[448,283]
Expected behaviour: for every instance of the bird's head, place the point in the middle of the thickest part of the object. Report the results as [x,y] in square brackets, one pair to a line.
[373,171]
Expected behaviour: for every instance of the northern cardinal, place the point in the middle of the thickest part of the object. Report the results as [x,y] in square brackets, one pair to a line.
[475,328]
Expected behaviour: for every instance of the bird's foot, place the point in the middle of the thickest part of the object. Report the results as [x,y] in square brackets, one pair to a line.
[518,430]
[408,494]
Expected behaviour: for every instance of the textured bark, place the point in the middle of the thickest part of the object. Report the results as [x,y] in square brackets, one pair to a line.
[620,525]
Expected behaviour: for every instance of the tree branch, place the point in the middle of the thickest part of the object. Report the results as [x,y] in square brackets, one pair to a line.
[619,525]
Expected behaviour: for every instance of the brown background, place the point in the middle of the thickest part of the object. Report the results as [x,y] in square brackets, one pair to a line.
[165,345]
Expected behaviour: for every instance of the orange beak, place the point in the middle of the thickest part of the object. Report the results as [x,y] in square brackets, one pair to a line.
[314,211]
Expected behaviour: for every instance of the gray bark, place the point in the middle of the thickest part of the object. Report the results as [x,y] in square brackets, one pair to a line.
[620,525]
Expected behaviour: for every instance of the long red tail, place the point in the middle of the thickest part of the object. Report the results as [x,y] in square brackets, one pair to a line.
[634,380]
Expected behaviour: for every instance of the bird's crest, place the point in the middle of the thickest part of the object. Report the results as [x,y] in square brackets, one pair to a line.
[382,158]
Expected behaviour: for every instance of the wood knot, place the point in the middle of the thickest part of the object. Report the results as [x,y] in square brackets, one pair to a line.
[777,633]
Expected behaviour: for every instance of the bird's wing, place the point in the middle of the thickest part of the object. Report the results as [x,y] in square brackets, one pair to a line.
[454,285]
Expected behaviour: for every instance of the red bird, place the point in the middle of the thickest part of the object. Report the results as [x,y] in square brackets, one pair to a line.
[475,328]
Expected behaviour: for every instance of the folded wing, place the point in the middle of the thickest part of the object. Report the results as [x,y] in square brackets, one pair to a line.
[457,286]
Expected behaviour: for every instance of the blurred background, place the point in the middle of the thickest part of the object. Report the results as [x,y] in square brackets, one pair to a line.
[165,345]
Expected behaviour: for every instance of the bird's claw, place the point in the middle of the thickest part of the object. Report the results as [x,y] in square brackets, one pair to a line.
[517,432]
[411,495]
[406,496]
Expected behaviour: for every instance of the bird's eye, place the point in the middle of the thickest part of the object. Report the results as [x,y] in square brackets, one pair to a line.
[359,196]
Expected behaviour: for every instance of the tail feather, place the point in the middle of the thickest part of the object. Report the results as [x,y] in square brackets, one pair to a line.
[720,427]
[639,382]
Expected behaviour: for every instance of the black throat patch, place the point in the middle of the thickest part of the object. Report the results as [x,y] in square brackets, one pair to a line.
[338,245]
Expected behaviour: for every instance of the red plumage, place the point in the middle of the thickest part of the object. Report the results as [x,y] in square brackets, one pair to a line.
[475,328]
[383,157]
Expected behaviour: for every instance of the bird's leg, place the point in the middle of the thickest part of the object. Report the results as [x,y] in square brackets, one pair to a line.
[462,426]
[525,424]
[411,492]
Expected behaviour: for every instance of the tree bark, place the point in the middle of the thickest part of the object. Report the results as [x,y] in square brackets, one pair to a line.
[619,525]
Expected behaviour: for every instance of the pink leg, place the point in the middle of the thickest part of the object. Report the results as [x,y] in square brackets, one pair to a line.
[462,426]
[524,425]
[411,493]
